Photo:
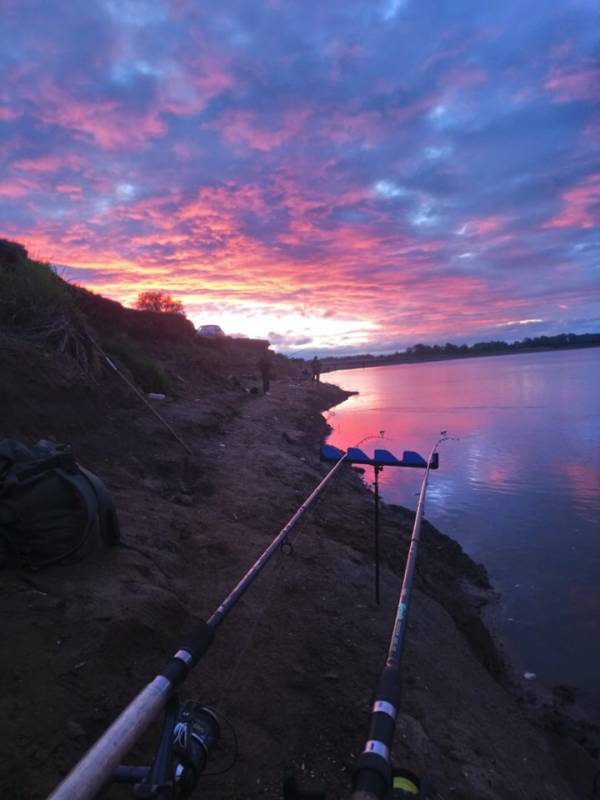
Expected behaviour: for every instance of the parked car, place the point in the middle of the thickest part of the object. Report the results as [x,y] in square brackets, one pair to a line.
[212,331]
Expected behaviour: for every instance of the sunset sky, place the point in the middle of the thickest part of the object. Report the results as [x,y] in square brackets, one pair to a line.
[346,176]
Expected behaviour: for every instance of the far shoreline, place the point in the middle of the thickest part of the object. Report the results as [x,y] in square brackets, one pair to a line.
[463,357]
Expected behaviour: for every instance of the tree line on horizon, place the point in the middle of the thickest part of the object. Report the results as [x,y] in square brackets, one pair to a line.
[422,352]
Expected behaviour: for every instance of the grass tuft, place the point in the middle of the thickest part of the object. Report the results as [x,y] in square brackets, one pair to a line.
[31,293]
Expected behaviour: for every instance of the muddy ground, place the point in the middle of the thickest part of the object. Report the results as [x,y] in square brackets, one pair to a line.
[293,667]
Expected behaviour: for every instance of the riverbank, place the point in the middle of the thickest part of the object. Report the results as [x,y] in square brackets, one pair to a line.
[294,665]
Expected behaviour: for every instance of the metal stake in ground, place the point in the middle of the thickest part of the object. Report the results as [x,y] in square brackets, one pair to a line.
[377,469]
[381,459]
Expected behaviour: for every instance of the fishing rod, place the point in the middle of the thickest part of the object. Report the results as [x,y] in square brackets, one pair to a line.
[373,776]
[190,730]
[134,388]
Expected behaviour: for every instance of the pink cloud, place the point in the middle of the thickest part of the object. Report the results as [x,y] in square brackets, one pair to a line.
[69,188]
[16,187]
[104,123]
[187,93]
[212,76]
[408,112]
[569,86]
[243,128]
[49,163]
[482,227]
[579,203]
[107,123]
[7,114]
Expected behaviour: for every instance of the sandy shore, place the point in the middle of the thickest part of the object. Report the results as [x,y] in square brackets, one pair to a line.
[294,665]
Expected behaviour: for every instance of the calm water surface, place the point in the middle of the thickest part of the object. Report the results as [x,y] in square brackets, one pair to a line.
[518,486]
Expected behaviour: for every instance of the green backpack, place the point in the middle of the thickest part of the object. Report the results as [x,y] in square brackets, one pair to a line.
[52,510]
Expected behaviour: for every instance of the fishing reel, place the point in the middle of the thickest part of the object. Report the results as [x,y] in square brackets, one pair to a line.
[195,734]
[190,732]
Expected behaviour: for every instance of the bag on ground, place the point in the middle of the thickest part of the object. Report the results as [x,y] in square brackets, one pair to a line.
[52,510]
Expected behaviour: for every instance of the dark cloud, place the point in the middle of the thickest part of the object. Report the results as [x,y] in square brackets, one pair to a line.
[288,339]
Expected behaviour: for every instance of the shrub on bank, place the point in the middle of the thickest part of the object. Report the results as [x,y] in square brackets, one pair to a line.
[106,315]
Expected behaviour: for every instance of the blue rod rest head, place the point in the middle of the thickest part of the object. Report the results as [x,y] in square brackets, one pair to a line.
[384,457]
[412,459]
[357,456]
[330,453]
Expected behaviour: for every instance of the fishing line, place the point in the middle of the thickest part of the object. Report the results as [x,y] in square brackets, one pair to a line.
[226,697]
[275,582]
[236,747]
[230,691]
[259,614]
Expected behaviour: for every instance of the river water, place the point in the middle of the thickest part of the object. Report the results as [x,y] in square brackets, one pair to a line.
[518,487]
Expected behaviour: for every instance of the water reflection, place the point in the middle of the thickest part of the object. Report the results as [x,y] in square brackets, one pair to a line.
[519,486]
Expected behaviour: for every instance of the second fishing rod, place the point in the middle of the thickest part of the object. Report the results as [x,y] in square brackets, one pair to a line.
[374,777]
[101,763]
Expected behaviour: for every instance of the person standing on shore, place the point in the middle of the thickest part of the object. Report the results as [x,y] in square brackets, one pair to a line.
[316,370]
[264,365]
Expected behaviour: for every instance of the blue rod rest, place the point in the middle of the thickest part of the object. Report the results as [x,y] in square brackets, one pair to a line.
[381,458]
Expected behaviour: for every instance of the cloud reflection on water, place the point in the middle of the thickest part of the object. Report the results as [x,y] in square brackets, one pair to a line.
[519,486]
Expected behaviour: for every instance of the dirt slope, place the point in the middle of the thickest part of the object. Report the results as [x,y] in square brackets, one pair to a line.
[293,667]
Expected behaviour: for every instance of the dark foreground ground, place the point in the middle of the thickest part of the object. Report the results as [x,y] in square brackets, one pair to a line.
[294,666]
